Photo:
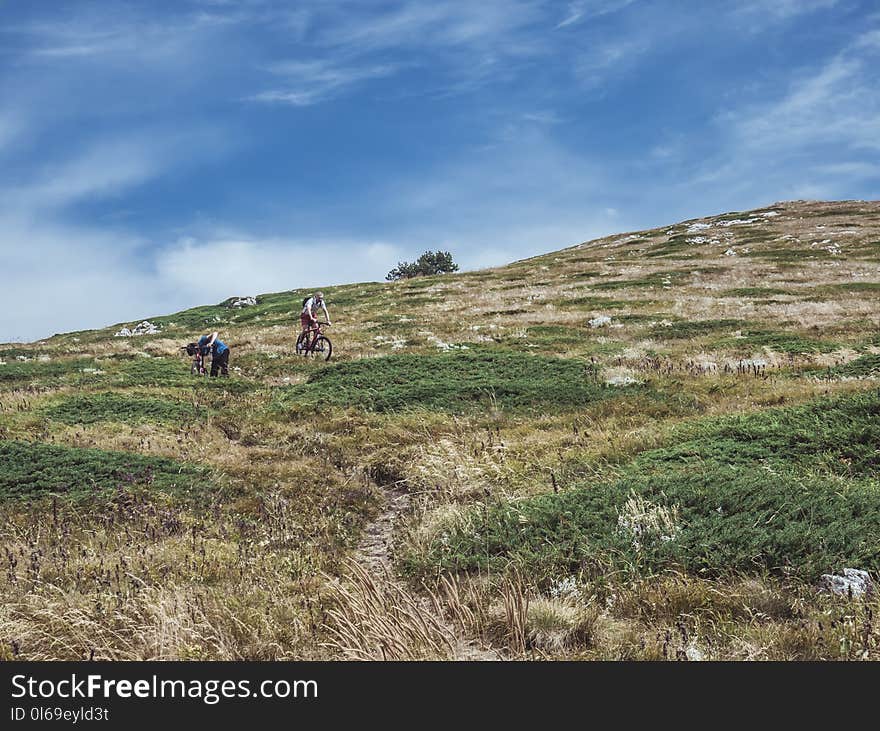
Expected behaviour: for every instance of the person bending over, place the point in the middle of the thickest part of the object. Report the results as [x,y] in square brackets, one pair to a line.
[219,353]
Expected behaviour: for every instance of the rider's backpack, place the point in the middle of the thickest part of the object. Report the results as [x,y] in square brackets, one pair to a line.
[306,299]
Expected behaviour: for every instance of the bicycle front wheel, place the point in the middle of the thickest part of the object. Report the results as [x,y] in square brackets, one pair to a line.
[323,347]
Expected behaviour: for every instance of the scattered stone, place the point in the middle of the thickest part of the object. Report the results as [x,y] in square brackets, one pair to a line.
[694,227]
[621,381]
[730,252]
[737,222]
[600,321]
[144,328]
[854,582]
[239,302]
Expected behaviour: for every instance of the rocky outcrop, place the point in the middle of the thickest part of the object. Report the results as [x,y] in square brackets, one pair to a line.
[144,328]
[853,582]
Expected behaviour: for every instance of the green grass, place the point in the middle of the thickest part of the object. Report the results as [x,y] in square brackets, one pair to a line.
[694,328]
[847,287]
[29,470]
[550,335]
[136,372]
[793,491]
[780,342]
[754,292]
[657,279]
[864,365]
[592,302]
[455,382]
[44,371]
[99,407]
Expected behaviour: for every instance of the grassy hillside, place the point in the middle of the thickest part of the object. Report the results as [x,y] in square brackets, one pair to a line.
[647,446]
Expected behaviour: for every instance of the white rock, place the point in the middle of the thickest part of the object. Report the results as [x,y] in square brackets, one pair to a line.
[737,222]
[730,252]
[854,582]
[144,328]
[239,302]
[600,321]
[621,381]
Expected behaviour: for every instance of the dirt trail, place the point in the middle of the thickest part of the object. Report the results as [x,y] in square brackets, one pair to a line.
[375,553]
[375,549]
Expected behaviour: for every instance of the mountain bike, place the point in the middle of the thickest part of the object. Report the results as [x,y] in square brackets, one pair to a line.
[318,346]
[197,368]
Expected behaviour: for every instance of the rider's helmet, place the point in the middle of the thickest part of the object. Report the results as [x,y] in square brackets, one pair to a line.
[319,296]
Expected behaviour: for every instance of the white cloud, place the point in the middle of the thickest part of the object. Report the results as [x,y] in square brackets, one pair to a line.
[837,104]
[67,278]
[309,82]
[783,9]
[225,267]
[589,9]
[439,23]
[608,60]
[106,169]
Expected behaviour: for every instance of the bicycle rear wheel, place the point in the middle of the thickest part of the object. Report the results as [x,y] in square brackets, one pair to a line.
[301,343]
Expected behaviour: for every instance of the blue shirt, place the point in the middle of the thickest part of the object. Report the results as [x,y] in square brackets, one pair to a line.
[218,348]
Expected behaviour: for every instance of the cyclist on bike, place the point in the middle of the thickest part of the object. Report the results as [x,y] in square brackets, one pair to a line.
[219,353]
[307,317]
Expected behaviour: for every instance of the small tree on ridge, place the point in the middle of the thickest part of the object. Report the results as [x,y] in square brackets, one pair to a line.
[431,262]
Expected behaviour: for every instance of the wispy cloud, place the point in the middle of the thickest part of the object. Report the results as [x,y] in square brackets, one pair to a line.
[584,10]
[308,82]
[838,103]
[783,9]
[445,23]
[609,60]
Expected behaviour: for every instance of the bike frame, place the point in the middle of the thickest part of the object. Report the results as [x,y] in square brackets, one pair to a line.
[316,331]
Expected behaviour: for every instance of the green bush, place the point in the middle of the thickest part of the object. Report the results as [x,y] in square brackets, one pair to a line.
[30,469]
[36,371]
[793,490]
[94,408]
[780,342]
[454,382]
[684,329]
[864,365]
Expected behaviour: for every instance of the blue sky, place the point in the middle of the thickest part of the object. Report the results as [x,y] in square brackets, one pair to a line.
[161,154]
